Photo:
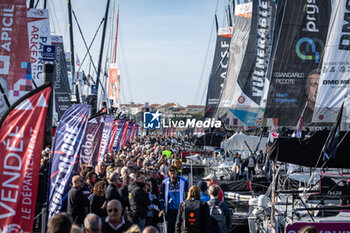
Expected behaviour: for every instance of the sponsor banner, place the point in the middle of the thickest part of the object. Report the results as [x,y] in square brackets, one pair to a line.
[295,75]
[133,131]
[334,80]
[124,134]
[22,135]
[39,36]
[249,95]
[320,226]
[129,132]
[113,134]
[219,69]
[106,133]
[92,140]
[61,85]
[65,155]
[118,135]
[15,76]
[113,85]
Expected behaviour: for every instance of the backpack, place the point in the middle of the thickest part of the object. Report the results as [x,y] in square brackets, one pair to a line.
[217,213]
[192,216]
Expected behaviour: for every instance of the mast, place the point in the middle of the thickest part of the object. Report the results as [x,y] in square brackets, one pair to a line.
[31,4]
[72,62]
[116,39]
[101,50]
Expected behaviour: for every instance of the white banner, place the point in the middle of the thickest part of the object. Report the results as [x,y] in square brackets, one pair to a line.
[335,73]
[38,35]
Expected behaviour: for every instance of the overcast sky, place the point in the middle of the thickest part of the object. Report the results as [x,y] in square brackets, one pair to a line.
[162,44]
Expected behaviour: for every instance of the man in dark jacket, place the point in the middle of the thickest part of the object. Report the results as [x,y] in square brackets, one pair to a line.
[138,200]
[112,189]
[115,222]
[77,203]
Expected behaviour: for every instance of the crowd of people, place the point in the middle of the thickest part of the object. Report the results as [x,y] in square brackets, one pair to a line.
[140,189]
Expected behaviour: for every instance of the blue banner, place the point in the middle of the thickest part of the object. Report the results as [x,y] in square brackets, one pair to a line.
[118,135]
[129,131]
[65,155]
[106,133]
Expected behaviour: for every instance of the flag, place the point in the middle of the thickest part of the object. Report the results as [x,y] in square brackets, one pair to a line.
[299,128]
[77,61]
[104,141]
[89,152]
[65,155]
[330,147]
[118,135]
[22,130]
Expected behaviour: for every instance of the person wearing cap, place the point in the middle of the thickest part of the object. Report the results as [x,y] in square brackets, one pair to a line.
[211,179]
[203,187]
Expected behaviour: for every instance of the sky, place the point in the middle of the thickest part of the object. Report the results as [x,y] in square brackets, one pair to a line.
[165,47]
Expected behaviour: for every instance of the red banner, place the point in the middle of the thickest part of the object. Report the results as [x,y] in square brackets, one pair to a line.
[22,130]
[113,84]
[15,71]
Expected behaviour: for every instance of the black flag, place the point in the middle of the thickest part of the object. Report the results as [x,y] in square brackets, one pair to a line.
[330,147]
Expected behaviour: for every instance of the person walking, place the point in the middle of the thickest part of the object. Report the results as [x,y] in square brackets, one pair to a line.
[211,179]
[173,192]
[138,200]
[77,203]
[193,214]
[219,210]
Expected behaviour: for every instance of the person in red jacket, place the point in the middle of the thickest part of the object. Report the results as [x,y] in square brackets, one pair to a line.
[211,179]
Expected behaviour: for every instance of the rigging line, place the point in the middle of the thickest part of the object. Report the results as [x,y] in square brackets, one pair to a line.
[87,48]
[54,20]
[204,92]
[125,65]
[206,58]
[204,63]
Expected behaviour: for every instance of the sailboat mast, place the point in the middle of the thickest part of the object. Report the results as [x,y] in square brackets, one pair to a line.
[72,61]
[101,51]
[116,39]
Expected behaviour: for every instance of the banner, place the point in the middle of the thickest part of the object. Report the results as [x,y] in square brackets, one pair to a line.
[92,140]
[106,133]
[15,69]
[245,97]
[113,134]
[129,132]
[114,85]
[238,47]
[61,86]
[22,135]
[335,73]
[65,155]
[124,134]
[39,35]
[218,71]
[295,75]
[118,135]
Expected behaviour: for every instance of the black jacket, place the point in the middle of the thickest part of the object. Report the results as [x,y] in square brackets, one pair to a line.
[123,191]
[96,203]
[138,200]
[204,218]
[106,228]
[76,205]
[112,193]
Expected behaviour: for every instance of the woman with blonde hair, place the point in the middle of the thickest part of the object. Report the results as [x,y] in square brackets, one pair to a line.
[193,214]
